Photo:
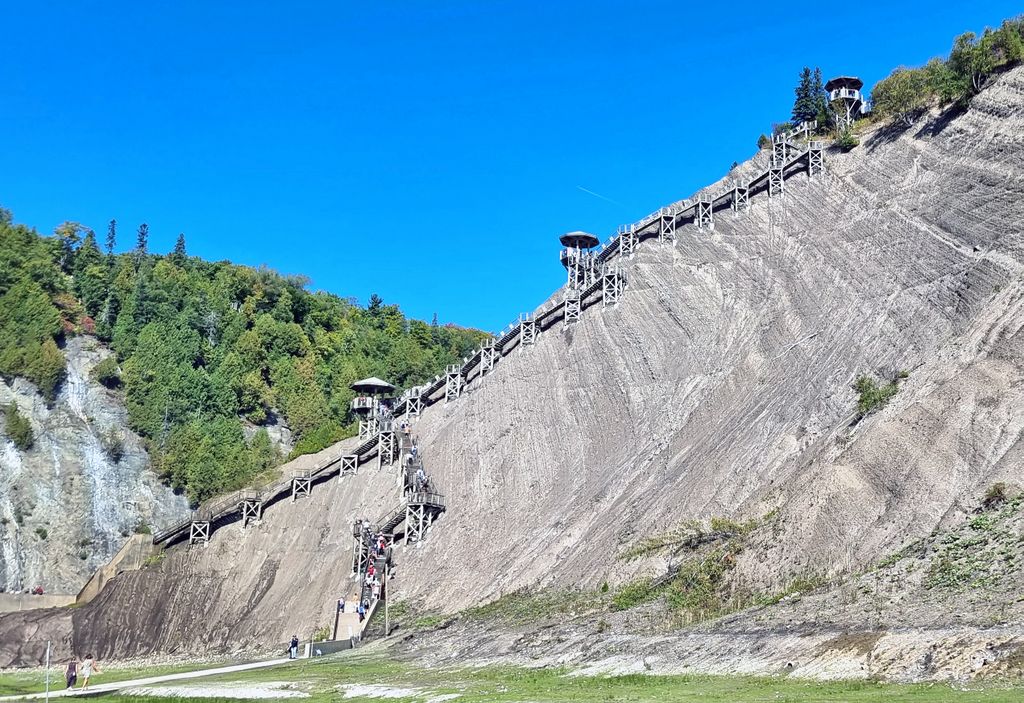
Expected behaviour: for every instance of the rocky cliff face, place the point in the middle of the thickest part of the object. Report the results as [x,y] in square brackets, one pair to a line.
[721,385]
[65,505]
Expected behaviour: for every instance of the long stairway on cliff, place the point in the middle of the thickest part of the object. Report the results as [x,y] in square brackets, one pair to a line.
[592,277]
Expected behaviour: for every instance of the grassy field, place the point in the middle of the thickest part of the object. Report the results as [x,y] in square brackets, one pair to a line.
[34,680]
[347,676]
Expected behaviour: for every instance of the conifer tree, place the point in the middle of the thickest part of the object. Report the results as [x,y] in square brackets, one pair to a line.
[805,107]
[179,254]
[111,237]
[142,242]
[820,99]
[90,275]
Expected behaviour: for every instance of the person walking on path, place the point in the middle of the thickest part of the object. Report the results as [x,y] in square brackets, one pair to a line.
[341,604]
[362,611]
[89,667]
[71,673]
[293,648]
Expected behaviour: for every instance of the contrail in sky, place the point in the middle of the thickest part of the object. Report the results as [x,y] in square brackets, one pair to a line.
[598,195]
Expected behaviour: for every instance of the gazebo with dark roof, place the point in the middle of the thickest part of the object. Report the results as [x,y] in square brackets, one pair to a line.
[850,82]
[579,240]
[372,386]
[846,99]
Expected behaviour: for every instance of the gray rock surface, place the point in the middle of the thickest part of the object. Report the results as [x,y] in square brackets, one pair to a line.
[721,385]
[66,487]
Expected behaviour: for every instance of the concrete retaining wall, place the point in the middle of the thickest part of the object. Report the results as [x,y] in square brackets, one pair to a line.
[131,557]
[13,602]
[332,646]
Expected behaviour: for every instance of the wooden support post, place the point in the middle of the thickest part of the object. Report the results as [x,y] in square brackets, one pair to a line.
[300,486]
[527,330]
[573,307]
[349,465]
[452,382]
[667,224]
[414,406]
[368,428]
[199,532]
[704,217]
[386,448]
[611,286]
[776,181]
[779,148]
[358,547]
[740,197]
[815,158]
[488,356]
[627,240]
[252,511]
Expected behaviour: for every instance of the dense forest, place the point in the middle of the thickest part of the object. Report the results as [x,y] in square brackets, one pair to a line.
[204,351]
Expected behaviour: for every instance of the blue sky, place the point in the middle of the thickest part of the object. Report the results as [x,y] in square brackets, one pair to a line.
[430,152]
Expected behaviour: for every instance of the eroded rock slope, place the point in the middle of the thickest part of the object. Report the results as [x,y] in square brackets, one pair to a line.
[721,385]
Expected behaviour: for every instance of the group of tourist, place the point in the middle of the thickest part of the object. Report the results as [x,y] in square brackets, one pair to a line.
[85,668]
[420,480]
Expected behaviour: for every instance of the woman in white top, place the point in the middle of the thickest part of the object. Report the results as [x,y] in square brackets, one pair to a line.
[89,667]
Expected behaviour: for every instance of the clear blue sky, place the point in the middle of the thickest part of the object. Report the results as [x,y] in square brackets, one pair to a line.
[427,151]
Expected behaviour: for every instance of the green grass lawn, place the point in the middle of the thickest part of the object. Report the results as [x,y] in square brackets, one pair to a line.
[34,680]
[323,677]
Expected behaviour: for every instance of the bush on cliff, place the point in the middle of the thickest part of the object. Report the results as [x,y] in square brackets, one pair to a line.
[907,92]
[18,428]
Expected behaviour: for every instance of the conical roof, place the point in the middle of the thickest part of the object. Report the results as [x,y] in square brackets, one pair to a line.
[582,240]
[372,385]
[844,82]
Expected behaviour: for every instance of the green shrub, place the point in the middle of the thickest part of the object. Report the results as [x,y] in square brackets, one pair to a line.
[428,622]
[143,529]
[846,141]
[47,370]
[108,373]
[973,59]
[903,95]
[996,495]
[696,585]
[18,428]
[636,593]
[873,396]
[42,532]
[112,442]
[689,533]
[731,528]
[322,633]
[322,437]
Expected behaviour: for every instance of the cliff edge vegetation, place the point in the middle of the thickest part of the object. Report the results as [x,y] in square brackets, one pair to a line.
[208,354]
